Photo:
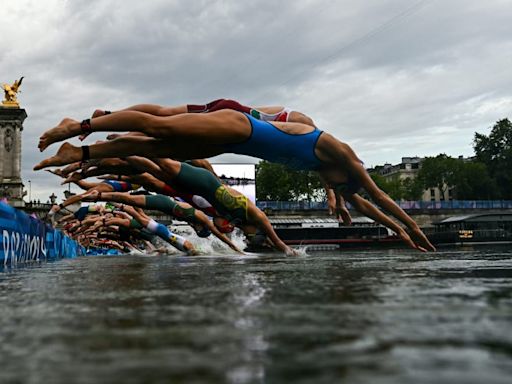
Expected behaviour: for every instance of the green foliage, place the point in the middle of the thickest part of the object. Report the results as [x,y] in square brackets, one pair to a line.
[412,189]
[438,172]
[406,189]
[278,182]
[468,180]
[473,182]
[495,151]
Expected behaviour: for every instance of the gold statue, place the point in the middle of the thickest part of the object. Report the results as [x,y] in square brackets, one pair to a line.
[10,91]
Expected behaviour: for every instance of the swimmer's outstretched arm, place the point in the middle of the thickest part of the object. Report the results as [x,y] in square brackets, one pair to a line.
[140,201]
[386,203]
[368,209]
[260,219]
[336,204]
[203,219]
[161,231]
[340,153]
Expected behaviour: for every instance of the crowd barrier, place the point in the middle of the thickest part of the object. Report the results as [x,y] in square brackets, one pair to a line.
[24,238]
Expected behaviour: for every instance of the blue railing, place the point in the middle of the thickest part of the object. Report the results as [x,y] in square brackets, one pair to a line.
[426,205]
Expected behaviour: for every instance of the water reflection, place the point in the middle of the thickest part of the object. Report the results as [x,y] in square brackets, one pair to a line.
[391,316]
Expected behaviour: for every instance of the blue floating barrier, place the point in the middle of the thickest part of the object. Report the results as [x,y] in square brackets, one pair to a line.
[24,238]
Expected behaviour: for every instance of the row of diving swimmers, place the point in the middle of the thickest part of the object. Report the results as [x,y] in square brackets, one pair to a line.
[122,227]
[229,208]
[180,133]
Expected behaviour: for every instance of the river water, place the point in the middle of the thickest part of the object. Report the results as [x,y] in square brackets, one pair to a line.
[353,316]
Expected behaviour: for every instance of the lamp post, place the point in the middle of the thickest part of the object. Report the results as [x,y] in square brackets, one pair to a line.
[29,191]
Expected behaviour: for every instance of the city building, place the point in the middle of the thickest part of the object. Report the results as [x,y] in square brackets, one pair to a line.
[408,168]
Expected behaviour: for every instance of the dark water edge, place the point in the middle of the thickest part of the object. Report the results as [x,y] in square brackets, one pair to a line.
[392,316]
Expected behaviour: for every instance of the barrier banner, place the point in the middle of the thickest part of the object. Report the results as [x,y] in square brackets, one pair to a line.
[24,238]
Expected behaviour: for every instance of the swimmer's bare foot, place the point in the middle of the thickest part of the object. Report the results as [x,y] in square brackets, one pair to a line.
[67,170]
[66,154]
[67,128]
[74,177]
[56,171]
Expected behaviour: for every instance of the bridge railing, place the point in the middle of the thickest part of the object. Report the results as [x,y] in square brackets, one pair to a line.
[424,205]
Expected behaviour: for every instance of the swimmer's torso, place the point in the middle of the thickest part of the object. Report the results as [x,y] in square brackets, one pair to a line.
[270,143]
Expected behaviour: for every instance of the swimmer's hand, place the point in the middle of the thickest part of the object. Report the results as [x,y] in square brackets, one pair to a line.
[343,215]
[54,209]
[291,252]
[55,171]
[418,241]
[336,206]
[421,241]
[407,240]
[238,250]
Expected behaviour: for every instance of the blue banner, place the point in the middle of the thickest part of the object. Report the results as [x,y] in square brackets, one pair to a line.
[24,238]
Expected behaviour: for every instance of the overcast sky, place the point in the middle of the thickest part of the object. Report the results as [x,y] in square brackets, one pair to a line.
[392,78]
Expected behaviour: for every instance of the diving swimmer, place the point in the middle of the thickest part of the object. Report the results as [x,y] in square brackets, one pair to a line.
[191,135]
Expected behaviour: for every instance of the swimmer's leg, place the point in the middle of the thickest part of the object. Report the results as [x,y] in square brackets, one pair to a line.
[121,147]
[175,240]
[219,127]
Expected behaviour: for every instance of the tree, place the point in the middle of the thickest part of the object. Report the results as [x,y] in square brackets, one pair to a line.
[411,189]
[438,172]
[495,151]
[398,189]
[469,180]
[391,186]
[278,182]
[473,182]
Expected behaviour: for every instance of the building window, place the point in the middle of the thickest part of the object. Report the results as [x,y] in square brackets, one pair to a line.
[432,194]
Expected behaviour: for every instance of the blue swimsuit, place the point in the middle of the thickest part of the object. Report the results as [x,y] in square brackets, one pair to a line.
[121,186]
[269,143]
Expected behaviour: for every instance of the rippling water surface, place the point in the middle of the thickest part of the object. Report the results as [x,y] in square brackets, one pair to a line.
[352,316]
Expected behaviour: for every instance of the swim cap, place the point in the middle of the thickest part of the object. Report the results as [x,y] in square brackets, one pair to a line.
[202,231]
[223,225]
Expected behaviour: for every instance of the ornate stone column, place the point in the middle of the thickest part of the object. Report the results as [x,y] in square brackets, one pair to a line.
[11,125]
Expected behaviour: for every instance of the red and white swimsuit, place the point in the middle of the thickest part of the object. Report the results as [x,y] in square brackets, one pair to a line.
[219,104]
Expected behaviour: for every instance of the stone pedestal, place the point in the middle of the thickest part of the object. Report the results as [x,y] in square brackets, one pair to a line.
[11,125]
